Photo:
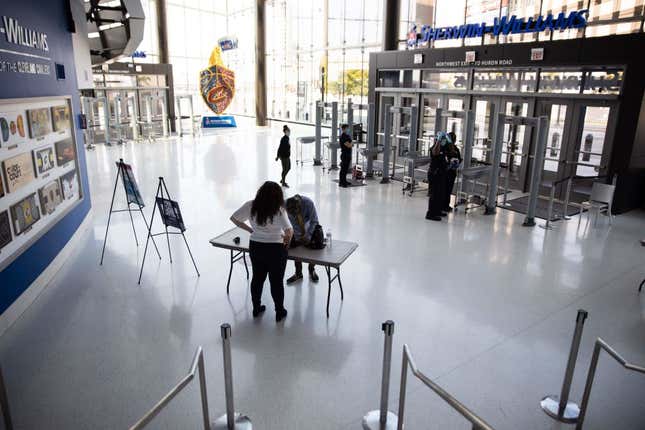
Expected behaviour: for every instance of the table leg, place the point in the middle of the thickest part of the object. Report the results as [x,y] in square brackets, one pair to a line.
[340,284]
[245,266]
[328,270]
[230,271]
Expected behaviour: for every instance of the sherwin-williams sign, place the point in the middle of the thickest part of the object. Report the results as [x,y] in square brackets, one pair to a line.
[501,26]
[25,47]
[19,35]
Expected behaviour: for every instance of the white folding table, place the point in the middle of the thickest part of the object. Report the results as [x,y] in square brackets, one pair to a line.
[329,257]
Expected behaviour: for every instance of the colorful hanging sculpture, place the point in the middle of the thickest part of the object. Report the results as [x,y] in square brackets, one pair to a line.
[217,83]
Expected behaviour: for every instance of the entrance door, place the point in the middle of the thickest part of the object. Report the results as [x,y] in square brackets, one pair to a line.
[403,122]
[516,144]
[485,110]
[577,140]
[558,144]
[590,151]
[384,100]
[430,104]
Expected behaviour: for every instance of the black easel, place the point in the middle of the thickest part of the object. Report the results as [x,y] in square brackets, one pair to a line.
[160,194]
[120,166]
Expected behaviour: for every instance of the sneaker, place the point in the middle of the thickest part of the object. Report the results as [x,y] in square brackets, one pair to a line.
[313,275]
[294,278]
[447,209]
[433,217]
[257,312]
[280,315]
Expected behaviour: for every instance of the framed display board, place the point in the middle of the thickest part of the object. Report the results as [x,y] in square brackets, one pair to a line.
[170,213]
[39,176]
[130,184]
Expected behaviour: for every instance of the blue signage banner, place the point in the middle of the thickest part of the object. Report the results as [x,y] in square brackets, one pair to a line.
[218,121]
[501,26]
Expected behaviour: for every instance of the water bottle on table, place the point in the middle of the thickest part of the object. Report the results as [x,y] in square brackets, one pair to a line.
[328,238]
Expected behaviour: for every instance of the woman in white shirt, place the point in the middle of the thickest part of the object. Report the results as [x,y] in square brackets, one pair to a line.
[271,233]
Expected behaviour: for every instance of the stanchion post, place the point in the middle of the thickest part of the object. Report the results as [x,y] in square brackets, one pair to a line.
[228,374]
[231,420]
[567,196]
[388,329]
[547,226]
[383,419]
[559,407]
[507,178]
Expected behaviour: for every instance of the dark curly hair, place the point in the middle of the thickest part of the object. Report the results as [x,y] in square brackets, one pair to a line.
[267,203]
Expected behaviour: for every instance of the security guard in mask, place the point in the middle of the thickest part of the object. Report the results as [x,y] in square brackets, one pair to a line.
[437,176]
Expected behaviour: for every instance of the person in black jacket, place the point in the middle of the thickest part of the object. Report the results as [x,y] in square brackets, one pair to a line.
[284,155]
[437,177]
[454,161]
[345,155]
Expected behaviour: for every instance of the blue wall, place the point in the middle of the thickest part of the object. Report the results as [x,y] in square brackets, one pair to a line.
[51,17]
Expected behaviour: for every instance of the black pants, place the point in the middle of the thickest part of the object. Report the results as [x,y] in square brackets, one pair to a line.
[451,176]
[345,160]
[437,191]
[268,259]
[295,243]
[286,166]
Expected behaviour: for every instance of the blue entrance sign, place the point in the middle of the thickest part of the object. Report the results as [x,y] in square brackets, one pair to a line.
[501,26]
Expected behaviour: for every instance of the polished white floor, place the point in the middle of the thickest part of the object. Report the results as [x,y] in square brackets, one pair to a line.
[487,307]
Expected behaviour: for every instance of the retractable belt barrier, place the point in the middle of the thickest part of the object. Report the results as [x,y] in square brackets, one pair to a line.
[383,419]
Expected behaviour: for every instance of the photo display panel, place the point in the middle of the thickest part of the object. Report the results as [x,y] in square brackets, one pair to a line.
[12,127]
[130,184]
[170,213]
[39,177]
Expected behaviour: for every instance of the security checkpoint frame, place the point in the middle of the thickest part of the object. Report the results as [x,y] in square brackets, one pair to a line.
[333,141]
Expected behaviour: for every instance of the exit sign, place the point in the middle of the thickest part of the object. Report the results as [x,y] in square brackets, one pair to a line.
[537,54]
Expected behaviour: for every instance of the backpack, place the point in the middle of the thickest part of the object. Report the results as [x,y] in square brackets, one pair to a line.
[317,238]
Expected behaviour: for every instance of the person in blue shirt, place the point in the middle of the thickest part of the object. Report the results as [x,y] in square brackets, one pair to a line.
[304,219]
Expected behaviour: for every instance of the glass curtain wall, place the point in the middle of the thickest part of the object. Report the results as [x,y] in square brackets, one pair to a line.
[319,49]
[303,67]
[194,26]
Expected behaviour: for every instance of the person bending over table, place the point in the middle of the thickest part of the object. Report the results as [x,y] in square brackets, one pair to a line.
[303,217]
[271,233]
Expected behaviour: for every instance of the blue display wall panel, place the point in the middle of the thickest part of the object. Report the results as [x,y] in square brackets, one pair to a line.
[35,44]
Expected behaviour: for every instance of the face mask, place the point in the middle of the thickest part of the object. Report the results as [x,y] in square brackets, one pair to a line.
[287,133]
